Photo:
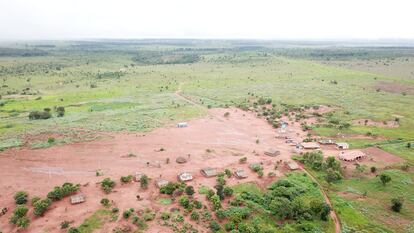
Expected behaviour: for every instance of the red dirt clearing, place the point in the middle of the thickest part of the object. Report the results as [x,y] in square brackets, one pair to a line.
[38,171]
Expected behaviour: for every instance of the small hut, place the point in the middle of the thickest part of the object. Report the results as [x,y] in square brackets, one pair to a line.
[327,142]
[272,152]
[292,165]
[342,145]
[185,176]
[76,199]
[182,125]
[160,183]
[310,145]
[240,174]
[351,156]
[181,160]
[209,172]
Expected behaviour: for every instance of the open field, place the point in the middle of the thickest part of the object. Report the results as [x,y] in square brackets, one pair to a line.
[123,99]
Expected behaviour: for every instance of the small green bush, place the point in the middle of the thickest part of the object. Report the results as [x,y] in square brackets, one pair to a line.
[107,185]
[21,197]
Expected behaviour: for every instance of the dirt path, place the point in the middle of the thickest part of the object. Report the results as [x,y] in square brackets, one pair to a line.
[327,200]
[185,98]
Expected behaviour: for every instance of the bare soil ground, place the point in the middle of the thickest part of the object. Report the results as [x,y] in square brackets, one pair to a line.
[214,141]
[395,87]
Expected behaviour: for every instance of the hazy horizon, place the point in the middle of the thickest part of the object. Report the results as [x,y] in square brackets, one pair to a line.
[185,19]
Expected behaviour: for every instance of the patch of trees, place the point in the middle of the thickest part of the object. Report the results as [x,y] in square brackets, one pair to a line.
[331,166]
[60,192]
[15,52]
[165,57]
[46,113]
[107,185]
[109,75]
[284,200]
[19,217]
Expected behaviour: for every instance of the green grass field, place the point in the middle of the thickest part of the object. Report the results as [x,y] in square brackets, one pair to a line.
[132,86]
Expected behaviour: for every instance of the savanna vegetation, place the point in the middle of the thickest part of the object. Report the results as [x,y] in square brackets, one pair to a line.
[134,85]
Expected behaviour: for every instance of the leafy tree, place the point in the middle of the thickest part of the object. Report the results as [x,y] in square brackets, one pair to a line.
[184,202]
[169,188]
[228,191]
[396,204]
[215,199]
[107,185]
[281,207]
[198,204]
[126,179]
[373,169]
[332,175]
[385,178]
[73,230]
[60,111]
[331,162]
[19,212]
[23,222]
[214,226]
[65,224]
[189,190]
[227,172]
[41,206]
[195,216]
[21,197]
[105,202]
[127,213]
[326,209]
[65,190]
[144,181]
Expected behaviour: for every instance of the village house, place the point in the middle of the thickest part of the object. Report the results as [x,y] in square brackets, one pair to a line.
[292,165]
[240,174]
[327,142]
[209,172]
[182,125]
[76,199]
[160,183]
[310,145]
[342,145]
[185,176]
[350,156]
[272,152]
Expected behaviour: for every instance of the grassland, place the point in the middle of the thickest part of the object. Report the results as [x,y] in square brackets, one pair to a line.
[133,85]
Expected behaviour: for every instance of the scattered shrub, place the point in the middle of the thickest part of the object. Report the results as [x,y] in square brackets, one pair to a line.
[243,160]
[105,202]
[195,216]
[41,206]
[107,185]
[126,179]
[21,197]
[144,181]
[127,213]
[169,188]
[65,190]
[385,178]
[189,190]
[19,212]
[65,224]
[396,204]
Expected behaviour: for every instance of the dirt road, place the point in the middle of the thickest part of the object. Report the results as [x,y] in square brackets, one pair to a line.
[327,200]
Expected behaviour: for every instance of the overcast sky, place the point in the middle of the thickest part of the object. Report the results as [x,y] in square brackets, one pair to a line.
[289,19]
